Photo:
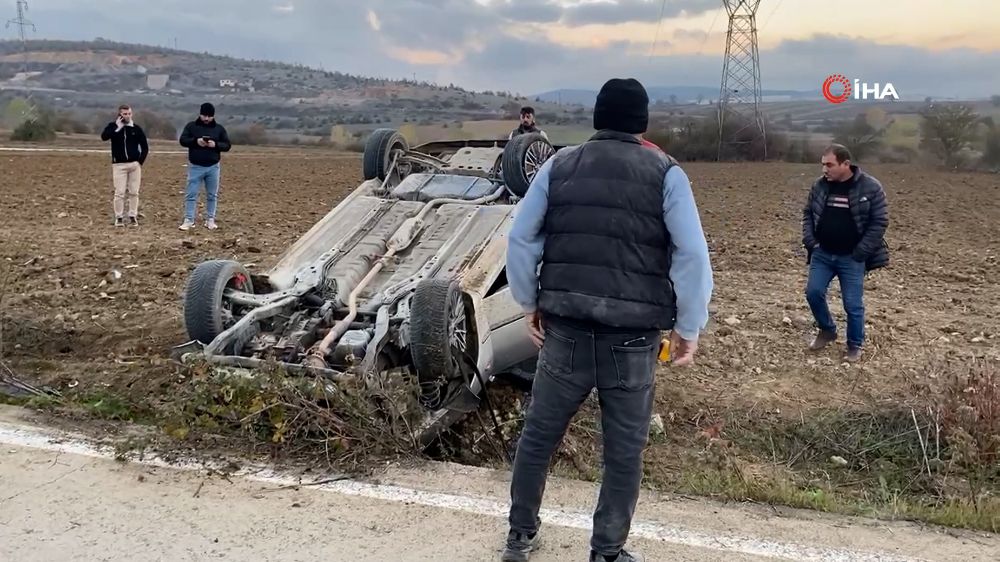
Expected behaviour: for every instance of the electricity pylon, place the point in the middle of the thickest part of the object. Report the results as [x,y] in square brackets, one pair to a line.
[740,93]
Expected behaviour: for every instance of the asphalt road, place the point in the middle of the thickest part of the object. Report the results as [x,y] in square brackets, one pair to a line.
[64,499]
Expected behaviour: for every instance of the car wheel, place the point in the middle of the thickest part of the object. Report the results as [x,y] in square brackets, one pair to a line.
[522,157]
[442,332]
[381,147]
[206,314]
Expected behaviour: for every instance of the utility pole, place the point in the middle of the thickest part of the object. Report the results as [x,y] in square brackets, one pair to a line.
[22,23]
[740,93]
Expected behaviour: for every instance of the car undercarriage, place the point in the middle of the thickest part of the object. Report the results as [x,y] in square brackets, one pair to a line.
[404,277]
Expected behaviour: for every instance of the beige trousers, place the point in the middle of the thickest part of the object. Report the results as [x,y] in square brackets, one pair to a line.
[126,178]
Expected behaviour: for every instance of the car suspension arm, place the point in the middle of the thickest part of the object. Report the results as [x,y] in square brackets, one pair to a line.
[403,237]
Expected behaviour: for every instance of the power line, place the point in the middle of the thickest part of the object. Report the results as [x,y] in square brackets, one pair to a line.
[22,23]
[768,18]
[740,93]
[659,23]
[708,35]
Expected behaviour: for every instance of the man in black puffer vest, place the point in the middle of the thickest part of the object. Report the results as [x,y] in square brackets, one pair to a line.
[843,229]
[623,257]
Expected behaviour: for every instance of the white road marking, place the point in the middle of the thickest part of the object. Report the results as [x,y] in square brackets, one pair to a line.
[60,149]
[156,151]
[50,440]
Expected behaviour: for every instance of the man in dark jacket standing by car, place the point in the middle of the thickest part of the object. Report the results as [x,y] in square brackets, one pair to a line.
[843,230]
[623,257]
[129,149]
[205,140]
[527,124]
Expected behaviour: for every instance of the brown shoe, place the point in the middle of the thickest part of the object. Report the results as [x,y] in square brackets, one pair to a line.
[853,355]
[822,339]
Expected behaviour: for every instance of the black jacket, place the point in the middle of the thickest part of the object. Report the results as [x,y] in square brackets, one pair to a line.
[870,212]
[127,145]
[203,155]
[522,130]
[606,259]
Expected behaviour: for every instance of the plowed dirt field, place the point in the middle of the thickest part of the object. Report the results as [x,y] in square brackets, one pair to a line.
[69,322]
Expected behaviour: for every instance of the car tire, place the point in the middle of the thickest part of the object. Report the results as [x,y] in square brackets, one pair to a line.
[205,314]
[522,157]
[379,149]
[442,329]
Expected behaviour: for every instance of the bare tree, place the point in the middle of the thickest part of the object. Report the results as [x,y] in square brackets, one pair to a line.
[859,136]
[947,129]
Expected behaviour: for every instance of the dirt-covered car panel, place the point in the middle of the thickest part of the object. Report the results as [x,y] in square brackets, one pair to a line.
[406,274]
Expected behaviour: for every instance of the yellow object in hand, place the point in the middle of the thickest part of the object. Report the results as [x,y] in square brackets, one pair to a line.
[664,355]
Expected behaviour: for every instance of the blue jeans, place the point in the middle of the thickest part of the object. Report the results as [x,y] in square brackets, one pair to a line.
[196,175]
[574,360]
[823,267]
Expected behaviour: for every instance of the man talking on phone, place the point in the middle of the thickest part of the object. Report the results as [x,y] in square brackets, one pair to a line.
[129,149]
[623,257]
[205,140]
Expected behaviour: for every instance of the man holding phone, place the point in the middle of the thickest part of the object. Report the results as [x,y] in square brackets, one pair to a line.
[205,140]
[129,149]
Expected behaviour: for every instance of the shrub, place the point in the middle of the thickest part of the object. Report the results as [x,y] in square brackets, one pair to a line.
[696,140]
[860,136]
[947,130]
[34,130]
[969,413]
[991,152]
[255,134]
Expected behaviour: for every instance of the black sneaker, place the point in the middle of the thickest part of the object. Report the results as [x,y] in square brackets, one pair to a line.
[822,339]
[623,556]
[119,222]
[132,221]
[519,547]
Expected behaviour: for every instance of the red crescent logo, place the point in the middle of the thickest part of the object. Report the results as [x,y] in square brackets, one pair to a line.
[836,79]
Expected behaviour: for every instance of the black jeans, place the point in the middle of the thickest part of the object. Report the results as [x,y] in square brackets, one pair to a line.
[573,360]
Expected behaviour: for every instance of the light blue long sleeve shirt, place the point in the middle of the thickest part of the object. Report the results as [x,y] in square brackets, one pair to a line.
[690,267]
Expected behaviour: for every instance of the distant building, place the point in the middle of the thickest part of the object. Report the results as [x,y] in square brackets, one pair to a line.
[157,81]
[234,84]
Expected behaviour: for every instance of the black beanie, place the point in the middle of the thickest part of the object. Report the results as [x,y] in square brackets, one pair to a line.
[622,105]
[207,109]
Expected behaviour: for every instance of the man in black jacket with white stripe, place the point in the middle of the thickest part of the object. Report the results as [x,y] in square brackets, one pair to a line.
[843,230]
[129,149]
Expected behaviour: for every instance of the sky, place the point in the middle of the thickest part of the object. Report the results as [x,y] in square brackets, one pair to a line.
[922,47]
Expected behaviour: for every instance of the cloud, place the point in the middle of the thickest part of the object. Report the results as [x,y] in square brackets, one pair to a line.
[373,21]
[422,57]
[508,44]
[691,34]
[527,11]
[914,72]
[624,11]
[284,8]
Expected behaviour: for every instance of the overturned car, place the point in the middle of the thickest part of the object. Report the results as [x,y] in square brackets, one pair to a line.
[406,274]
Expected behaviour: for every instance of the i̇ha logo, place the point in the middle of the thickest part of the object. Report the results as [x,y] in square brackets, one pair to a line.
[835,83]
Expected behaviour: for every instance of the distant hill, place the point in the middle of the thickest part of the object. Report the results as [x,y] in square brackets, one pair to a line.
[681,94]
[90,78]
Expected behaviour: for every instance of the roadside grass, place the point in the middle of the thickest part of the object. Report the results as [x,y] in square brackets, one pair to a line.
[933,459]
